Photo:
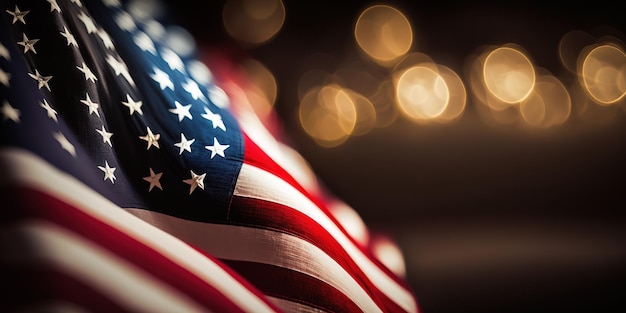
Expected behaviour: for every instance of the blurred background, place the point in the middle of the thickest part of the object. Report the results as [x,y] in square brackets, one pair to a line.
[485,141]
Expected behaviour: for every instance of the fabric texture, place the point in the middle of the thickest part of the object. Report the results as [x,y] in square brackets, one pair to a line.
[134,180]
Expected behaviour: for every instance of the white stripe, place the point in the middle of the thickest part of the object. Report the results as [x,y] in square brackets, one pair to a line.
[285,156]
[41,243]
[28,169]
[256,183]
[290,306]
[241,243]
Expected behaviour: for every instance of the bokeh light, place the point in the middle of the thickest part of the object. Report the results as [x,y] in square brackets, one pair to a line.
[421,93]
[328,115]
[262,88]
[383,33]
[548,105]
[603,73]
[508,74]
[253,22]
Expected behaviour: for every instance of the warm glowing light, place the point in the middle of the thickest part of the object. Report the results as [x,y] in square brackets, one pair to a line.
[328,115]
[602,73]
[383,33]
[549,104]
[253,21]
[588,110]
[508,74]
[310,80]
[383,101]
[457,92]
[365,113]
[570,46]
[421,93]
[262,89]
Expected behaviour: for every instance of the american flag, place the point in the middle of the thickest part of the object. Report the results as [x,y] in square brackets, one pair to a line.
[132,181]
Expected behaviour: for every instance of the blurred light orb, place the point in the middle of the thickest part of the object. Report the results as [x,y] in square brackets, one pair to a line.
[421,93]
[570,46]
[383,33]
[253,21]
[261,89]
[549,105]
[603,74]
[328,115]
[365,113]
[508,74]
[458,95]
[262,78]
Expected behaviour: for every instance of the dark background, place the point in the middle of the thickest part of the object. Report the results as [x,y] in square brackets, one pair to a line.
[490,218]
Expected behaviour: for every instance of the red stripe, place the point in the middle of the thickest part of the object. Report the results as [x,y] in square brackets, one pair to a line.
[254,155]
[27,203]
[294,286]
[274,216]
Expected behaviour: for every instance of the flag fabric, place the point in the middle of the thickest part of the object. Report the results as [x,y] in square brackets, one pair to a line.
[133,181]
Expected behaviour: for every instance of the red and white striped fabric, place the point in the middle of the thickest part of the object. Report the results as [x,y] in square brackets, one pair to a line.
[84,229]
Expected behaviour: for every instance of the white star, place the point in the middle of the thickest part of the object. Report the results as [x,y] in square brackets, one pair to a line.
[18,15]
[125,22]
[194,90]
[69,37]
[88,73]
[120,68]
[51,112]
[88,22]
[215,118]
[173,60]
[10,113]
[93,107]
[108,172]
[133,106]
[162,78]
[65,144]
[4,78]
[54,6]
[154,180]
[106,39]
[144,42]
[29,44]
[182,111]
[77,2]
[152,139]
[106,136]
[184,144]
[195,181]
[4,52]
[217,148]
[42,81]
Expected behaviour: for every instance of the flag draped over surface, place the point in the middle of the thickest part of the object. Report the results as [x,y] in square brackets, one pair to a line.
[131,182]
